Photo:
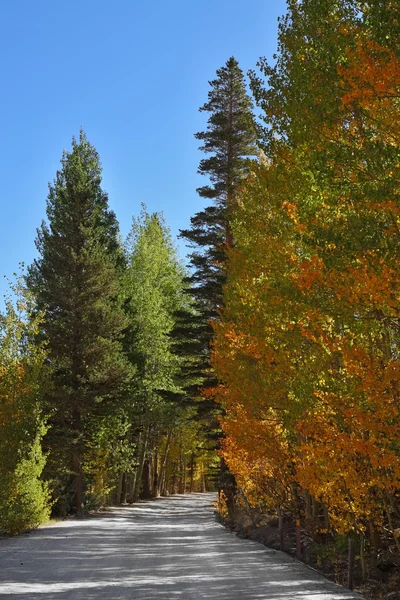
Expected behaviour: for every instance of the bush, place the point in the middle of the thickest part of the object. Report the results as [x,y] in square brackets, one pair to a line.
[24,498]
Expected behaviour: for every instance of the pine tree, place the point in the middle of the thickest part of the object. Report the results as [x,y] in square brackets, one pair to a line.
[76,283]
[230,139]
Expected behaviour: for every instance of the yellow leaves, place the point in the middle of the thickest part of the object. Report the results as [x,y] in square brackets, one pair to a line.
[308,345]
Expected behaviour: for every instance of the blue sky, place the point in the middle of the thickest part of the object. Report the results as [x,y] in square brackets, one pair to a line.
[133,75]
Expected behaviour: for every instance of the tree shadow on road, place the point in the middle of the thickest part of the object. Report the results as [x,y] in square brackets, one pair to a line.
[164,549]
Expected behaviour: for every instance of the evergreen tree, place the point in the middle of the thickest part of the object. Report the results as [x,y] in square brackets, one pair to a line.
[230,139]
[76,283]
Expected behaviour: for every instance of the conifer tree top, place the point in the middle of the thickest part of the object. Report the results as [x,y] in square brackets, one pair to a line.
[230,134]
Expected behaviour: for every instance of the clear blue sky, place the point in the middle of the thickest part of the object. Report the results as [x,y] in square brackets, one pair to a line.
[133,75]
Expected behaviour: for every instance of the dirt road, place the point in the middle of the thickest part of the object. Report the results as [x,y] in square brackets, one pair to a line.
[161,550]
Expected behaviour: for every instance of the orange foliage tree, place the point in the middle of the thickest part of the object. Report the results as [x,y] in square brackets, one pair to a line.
[308,348]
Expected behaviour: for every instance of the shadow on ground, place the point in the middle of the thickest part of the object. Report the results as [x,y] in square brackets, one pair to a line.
[159,550]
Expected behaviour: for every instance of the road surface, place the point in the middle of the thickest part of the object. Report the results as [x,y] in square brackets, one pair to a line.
[167,549]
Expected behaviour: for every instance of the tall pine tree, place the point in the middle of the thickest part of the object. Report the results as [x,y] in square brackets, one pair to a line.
[75,280]
[230,140]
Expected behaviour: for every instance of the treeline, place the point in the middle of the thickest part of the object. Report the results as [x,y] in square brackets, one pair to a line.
[105,350]
[307,350]
[105,345]
[92,410]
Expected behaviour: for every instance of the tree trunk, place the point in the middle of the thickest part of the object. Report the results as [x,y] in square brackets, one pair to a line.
[298,539]
[350,574]
[146,490]
[375,537]
[131,481]
[164,464]
[327,523]
[390,521]
[362,557]
[308,503]
[166,488]
[203,479]
[248,507]
[77,463]
[78,483]
[181,486]
[280,525]
[315,511]
[191,472]
[118,491]
[394,504]
[141,459]
[155,474]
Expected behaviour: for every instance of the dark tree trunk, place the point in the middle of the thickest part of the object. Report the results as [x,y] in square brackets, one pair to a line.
[146,490]
[78,484]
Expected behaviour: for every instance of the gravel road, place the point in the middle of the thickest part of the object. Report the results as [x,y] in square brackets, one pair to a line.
[165,549]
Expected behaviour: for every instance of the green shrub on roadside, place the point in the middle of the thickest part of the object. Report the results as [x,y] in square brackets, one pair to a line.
[24,498]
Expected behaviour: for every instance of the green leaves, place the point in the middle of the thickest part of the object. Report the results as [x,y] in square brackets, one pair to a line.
[77,283]
[24,377]
[153,287]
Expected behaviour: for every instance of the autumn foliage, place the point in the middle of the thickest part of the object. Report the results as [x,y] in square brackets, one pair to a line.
[307,349]
[24,497]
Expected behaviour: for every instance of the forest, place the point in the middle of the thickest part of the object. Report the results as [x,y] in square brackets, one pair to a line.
[268,368]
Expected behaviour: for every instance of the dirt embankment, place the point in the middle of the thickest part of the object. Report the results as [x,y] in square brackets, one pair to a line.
[327,554]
